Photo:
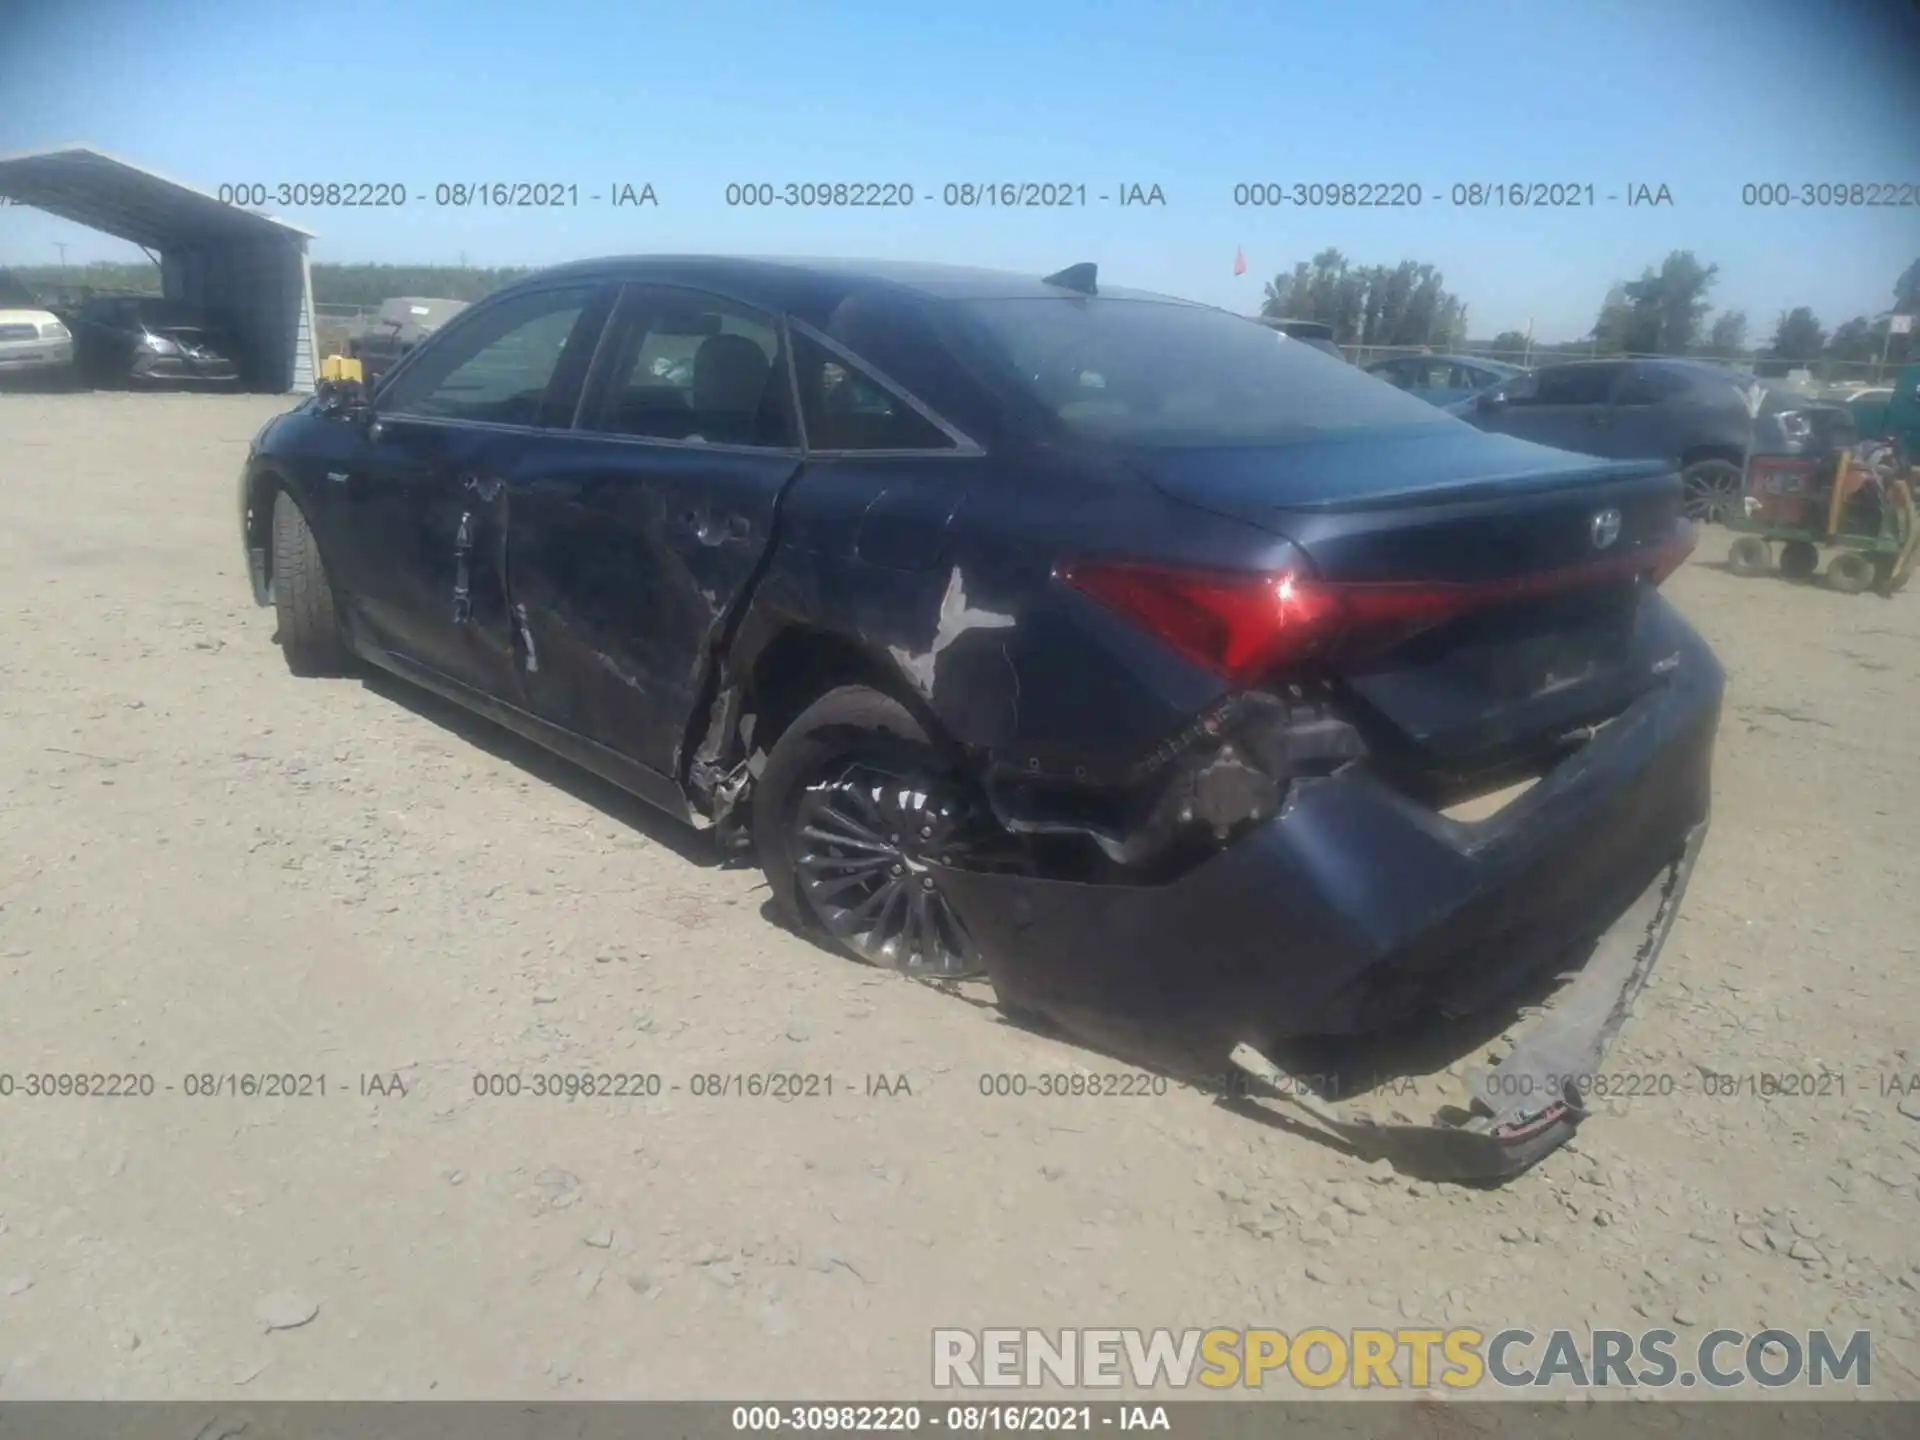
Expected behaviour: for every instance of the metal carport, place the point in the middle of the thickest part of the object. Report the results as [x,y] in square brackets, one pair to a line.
[251,268]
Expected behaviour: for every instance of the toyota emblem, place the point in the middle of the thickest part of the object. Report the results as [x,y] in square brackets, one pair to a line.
[1606,528]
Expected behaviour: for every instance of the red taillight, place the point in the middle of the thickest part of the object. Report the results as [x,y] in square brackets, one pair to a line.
[1242,625]
[1235,624]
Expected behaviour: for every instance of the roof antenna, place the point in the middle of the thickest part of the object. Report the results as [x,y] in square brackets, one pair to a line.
[1079,277]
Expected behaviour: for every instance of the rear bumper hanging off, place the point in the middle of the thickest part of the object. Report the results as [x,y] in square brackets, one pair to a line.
[1530,1103]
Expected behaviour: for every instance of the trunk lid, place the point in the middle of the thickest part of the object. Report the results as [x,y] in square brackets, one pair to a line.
[1508,583]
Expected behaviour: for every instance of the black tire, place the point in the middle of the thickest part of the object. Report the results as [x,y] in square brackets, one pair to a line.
[1799,560]
[1749,557]
[302,597]
[1711,490]
[845,749]
[1850,573]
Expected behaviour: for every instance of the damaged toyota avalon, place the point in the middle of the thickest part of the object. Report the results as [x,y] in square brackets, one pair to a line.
[1114,649]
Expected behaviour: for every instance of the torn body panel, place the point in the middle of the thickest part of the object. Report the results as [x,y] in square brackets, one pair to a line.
[1358,905]
[1011,667]
[628,561]
[1529,1104]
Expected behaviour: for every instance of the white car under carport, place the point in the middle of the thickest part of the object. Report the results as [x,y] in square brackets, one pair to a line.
[32,339]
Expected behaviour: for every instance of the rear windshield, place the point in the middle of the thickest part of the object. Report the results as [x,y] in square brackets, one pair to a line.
[1148,372]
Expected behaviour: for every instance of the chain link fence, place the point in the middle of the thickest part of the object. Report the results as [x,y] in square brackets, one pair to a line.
[333,324]
[1819,375]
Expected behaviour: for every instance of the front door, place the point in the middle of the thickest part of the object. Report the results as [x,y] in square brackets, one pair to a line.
[632,540]
[423,512]
[1564,406]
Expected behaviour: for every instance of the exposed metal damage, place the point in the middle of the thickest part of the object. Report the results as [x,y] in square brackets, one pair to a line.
[956,619]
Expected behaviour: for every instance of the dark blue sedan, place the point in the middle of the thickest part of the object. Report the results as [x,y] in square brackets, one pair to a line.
[1168,673]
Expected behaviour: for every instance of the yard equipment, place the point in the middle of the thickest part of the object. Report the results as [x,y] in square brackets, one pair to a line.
[1858,503]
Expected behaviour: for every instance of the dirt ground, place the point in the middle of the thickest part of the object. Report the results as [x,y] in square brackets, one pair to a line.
[209,868]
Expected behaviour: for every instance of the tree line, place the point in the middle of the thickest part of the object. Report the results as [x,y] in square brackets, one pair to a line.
[1664,312]
[363,286]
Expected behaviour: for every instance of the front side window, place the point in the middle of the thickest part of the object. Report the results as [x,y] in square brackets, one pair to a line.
[1161,373]
[1649,386]
[1435,375]
[497,369]
[692,368]
[1576,385]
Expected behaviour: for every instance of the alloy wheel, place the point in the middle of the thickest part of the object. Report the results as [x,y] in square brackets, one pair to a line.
[1712,492]
[861,845]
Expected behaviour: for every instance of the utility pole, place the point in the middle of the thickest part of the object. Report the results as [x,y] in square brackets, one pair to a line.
[1904,323]
[1526,355]
[63,263]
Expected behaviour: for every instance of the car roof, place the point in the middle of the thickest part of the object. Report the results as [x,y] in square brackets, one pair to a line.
[1656,362]
[811,287]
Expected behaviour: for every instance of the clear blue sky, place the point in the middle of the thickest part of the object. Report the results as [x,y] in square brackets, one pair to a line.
[1194,95]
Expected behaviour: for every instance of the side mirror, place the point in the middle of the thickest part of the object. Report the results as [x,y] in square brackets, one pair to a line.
[1491,400]
[344,400]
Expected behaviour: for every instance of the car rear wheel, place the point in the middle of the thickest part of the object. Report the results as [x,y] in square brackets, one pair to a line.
[302,597]
[1711,490]
[852,806]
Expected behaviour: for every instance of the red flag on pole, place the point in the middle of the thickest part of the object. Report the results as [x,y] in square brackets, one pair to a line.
[1239,261]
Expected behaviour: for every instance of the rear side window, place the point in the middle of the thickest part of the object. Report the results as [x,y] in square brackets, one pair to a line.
[846,409]
[1160,373]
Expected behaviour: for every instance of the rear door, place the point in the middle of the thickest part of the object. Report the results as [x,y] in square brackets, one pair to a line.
[1565,406]
[418,522]
[631,540]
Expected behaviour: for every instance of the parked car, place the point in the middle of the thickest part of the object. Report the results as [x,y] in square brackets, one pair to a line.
[400,325]
[1689,414]
[33,340]
[1314,333]
[1443,379]
[143,339]
[1869,407]
[1082,640]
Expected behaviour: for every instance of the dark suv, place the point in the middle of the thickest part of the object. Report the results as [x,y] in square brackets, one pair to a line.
[1690,413]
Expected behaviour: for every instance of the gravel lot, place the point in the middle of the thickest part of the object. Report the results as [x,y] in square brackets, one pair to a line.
[208,867]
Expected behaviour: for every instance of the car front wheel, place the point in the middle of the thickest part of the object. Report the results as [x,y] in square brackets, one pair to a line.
[852,811]
[302,597]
